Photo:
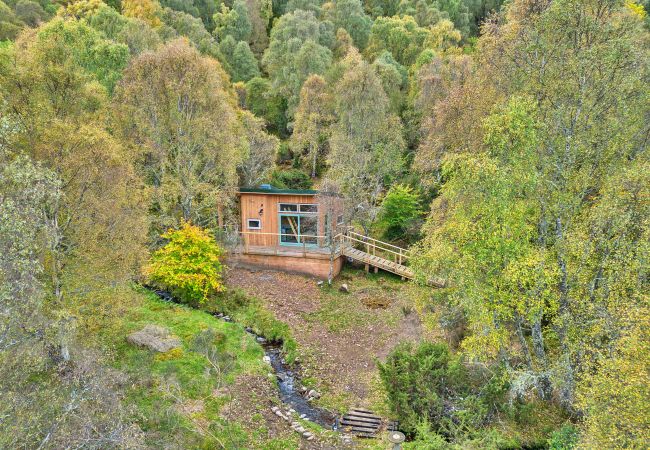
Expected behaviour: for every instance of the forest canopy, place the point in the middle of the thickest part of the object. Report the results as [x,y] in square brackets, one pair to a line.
[504,143]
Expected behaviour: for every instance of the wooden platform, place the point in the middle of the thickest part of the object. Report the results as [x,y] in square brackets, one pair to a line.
[362,423]
[377,261]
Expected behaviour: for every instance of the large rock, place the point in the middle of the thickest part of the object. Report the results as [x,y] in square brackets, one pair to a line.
[154,337]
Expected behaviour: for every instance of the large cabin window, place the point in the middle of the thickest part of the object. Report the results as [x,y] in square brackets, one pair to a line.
[298,223]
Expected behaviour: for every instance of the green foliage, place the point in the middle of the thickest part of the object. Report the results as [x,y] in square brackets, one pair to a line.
[233,22]
[400,210]
[565,438]
[312,125]
[419,381]
[349,15]
[177,107]
[401,36]
[262,102]
[291,179]
[183,24]
[188,265]
[84,46]
[298,48]
[366,141]
[238,59]
[394,79]
[534,227]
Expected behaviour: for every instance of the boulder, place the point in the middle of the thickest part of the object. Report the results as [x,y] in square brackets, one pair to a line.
[154,337]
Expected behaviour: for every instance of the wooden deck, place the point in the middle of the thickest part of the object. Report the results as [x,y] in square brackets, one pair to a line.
[292,251]
[364,249]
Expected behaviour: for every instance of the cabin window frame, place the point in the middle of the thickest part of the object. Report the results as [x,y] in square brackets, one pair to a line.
[249,227]
[289,209]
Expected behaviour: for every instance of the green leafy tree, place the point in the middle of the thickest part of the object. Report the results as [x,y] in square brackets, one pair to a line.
[238,59]
[419,381]
[313,119]
[54,101]
[401,36]
[394,79]
[526,225]
[366,144]
[291,179]
[298,48]
[103,59]
[349,15]
[182,24]
[233,22]
[262,148]
[176,105]
[244,64]
[263,102]
[188,265]
[399,213]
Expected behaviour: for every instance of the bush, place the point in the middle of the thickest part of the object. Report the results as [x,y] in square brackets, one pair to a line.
[399,214]
[188,266]
[420,381]
[565,438]
[291,179]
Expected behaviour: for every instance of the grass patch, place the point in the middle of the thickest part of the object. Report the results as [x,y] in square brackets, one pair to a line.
[370,295]
[175,394]
[250,312]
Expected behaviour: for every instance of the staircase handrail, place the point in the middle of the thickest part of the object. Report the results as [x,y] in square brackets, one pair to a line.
[400,256]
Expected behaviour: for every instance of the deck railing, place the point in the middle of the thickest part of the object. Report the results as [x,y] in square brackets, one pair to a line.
[375,247]
[272,243]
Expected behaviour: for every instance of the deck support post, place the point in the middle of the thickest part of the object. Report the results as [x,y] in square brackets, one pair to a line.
[376,269]
[367,268]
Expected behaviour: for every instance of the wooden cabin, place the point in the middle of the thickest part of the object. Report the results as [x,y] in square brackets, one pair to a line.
[290,230]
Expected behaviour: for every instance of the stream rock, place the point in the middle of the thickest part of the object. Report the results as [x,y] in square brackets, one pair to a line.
[312,394]
[154,337]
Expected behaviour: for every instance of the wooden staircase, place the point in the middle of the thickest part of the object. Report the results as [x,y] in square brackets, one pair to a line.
[375,253]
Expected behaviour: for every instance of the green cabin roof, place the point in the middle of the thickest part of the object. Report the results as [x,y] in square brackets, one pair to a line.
[268,189]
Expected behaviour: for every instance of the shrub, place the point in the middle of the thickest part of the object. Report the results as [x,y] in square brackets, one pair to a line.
[291,179]
[188,266]
[419,381]
[399,213]
[565,438]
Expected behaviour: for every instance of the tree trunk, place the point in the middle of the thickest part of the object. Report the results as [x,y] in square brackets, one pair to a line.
[523,342]
[545,387]
[568,385]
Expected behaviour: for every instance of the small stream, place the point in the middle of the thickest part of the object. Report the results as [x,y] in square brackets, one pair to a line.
[291,390]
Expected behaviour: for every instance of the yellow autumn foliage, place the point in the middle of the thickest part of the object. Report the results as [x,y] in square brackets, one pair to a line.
[188,265]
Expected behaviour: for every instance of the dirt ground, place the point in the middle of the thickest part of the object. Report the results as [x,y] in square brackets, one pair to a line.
[340,335]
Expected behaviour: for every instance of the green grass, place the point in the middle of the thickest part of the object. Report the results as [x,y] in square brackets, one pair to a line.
[250,312]
[343,311]
[162,383]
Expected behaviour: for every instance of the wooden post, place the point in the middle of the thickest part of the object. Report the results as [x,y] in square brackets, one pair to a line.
[376,269]
[367,268]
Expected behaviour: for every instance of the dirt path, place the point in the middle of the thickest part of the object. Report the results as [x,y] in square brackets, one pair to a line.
[340,334]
